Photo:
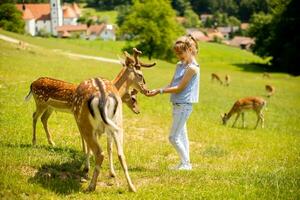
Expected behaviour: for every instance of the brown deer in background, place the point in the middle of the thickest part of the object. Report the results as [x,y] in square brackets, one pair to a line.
[97,109]
[266,75]
[227,80]
[270,90]
[240,106]
[215,76]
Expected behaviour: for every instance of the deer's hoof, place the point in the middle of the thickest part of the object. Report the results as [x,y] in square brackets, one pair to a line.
[112,174]
[91,188]
[132,188]
[51,143]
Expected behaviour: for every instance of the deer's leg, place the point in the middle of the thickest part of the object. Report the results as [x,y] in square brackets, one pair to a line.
[35,116]
[87,153]
[237,117]
[44,120]
[112,172]
[258,119]
[92,143]
[261,115]
[243,119]
[117,135]
[86,150]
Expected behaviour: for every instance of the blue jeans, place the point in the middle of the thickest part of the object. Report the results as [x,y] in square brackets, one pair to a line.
[178,136]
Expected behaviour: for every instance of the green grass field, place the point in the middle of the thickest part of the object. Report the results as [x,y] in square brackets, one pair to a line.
[228,163]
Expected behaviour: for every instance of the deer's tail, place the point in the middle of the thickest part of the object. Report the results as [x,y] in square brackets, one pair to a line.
[29,95]
[106,108]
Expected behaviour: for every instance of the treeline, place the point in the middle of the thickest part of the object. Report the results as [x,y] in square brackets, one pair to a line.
[241,9]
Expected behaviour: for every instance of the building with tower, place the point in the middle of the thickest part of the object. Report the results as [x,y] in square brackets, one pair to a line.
[48,17]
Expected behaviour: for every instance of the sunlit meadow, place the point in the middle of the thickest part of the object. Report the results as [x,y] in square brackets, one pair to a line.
[228,163]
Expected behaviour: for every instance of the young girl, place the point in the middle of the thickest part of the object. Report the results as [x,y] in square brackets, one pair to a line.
[184,89]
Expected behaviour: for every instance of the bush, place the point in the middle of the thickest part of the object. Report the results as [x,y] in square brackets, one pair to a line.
[11,18]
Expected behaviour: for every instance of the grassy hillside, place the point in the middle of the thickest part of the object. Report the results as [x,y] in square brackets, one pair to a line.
[228,163]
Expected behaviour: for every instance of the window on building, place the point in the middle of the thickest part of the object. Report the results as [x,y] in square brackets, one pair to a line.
[54,5]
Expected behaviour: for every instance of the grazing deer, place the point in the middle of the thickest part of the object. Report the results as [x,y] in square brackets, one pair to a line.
[227,80]
[52,94]
[270,90]
[97,109]
[21,45]
[215,76]
[266,75]
[240,106]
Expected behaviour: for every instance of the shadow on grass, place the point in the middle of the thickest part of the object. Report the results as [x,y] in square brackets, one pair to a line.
[254,67]
[61,178]
[72,152]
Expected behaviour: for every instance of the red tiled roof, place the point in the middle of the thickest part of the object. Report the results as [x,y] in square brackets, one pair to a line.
[238,40]
[244,26]
[65,34]
[38,11]
[27,14]
[96,29]
[76,8]
[81,27]
[69,12]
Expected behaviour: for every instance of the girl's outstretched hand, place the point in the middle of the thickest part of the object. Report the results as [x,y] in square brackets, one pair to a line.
[152,93]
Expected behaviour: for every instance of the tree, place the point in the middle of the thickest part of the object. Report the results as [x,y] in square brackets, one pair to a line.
[107,4]
[192,19]
[276,35]
[284,45]
[123,11]
[11,18]
[181,6]
[261,28]
[153,25]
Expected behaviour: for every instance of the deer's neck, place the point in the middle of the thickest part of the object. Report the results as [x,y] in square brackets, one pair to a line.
[231,112]
[122,82]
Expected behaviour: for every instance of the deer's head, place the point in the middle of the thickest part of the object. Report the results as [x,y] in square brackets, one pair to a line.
[224,118]
[133,66]
[130,99]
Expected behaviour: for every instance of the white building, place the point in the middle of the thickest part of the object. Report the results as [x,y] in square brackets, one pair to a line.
[101,31]
[46,17]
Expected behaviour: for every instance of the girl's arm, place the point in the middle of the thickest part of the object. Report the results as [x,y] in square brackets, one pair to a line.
[191,71]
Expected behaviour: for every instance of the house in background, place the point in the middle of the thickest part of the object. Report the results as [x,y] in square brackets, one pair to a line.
[197,34]
[45,17]
[75,31]
[204,17]
[242,42]
[227,30]
[214,34]
[101,31]
[98,31]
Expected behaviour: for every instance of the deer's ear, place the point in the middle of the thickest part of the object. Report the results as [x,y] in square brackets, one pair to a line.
[126,54]
[122,61]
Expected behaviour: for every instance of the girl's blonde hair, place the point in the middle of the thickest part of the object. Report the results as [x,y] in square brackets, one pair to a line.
[186,43]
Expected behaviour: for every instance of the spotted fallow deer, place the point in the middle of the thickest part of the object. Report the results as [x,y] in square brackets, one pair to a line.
[240,106]
[97,109]
[56,95]
[270,90]
[215,76]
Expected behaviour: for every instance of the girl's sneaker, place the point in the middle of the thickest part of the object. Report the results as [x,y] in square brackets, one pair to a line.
[185,167]
[182,167]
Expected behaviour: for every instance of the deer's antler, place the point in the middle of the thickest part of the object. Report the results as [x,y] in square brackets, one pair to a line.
[138,64]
